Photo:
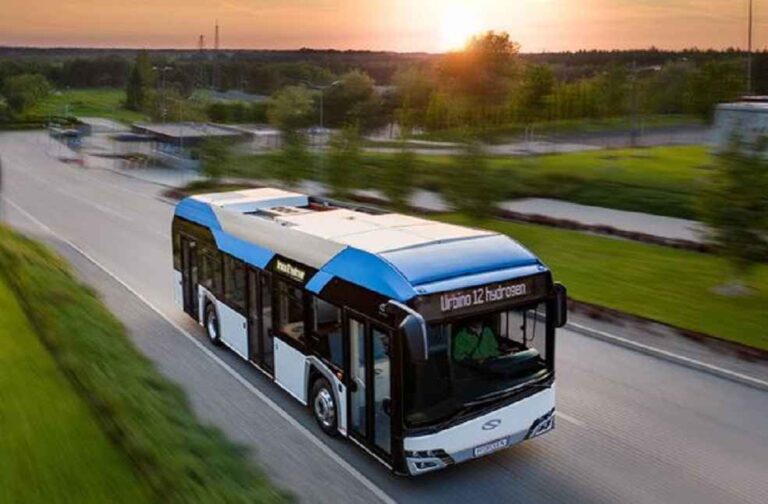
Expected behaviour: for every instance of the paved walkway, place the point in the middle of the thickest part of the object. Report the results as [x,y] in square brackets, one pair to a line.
[636,222]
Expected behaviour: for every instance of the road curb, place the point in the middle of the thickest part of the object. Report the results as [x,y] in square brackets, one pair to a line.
[720,372]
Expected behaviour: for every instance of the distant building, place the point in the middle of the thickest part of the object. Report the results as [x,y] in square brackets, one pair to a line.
[176,144]
[746,119]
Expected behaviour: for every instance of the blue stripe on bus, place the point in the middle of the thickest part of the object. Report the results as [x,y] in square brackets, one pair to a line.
[198,212]
[371,272]
[243,250]
[460,258]
[465,282]
[318,282]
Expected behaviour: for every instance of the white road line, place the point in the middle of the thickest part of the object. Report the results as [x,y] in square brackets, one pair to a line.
[367,483]
[670,356]
[570,419]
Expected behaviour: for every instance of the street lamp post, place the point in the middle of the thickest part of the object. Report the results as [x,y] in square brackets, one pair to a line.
[749,50]
[322,89]
[162,71]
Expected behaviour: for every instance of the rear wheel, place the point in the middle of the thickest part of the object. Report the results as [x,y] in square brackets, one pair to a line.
[212,324]
[324,407]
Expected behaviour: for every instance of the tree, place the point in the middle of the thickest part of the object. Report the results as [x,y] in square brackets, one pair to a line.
[414,91]
[23,91]
[294,162]
[399,175]
[343,161]
[471,187]
[735,206]
[666,90]
[353,101]
[140,82]
[215,156]
[290,109]
[538,85]
[485,70]
[712,83]
[612,90]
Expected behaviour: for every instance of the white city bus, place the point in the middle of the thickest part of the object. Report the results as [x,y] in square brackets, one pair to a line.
[427,344]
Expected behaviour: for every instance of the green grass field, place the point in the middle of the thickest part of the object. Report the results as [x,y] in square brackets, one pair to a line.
[660,283]
[99,102]
[53,449]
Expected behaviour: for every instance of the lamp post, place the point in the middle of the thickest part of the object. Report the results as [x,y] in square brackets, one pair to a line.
[322,89]
[749,50]
[162,71]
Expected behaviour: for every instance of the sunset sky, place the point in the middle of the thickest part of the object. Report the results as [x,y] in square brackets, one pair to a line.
[401,25]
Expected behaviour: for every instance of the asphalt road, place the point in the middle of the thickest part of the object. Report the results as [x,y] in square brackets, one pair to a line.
[632,428]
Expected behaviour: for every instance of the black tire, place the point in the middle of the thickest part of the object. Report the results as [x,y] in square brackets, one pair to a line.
[324,407]
[212,324]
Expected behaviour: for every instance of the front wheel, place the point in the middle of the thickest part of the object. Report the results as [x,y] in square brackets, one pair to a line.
[212,324]
[324,407]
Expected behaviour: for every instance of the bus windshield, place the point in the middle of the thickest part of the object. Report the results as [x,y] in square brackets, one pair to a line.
[475,359]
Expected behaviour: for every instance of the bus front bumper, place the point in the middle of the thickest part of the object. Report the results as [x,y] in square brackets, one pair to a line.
[478,437]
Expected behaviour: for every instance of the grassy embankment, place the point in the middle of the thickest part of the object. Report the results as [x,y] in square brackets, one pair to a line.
[668,285]
[98,102]
[658,180]
[47,433]
[53,448]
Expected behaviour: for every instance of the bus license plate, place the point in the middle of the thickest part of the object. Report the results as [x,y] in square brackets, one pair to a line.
[491,447]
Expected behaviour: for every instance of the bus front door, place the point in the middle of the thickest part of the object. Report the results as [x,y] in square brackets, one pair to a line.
[189,276]
[260,338]
[369,387]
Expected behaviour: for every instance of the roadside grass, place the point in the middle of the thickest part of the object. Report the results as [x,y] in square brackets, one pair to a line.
[659,283]
[94,102]
[508,132]
[53,449]
[141,412]
[657,180]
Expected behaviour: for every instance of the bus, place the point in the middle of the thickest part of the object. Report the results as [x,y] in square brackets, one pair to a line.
[425,343]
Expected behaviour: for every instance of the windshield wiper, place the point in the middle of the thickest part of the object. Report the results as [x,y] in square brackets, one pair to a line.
[488,398]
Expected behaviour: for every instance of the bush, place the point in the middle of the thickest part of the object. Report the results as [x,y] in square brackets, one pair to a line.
[143,413]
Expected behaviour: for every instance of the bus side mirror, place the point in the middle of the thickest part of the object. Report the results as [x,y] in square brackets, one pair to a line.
[561,305]
[415,331]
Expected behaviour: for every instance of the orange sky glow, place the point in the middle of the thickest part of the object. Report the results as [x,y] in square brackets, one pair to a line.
[400,25]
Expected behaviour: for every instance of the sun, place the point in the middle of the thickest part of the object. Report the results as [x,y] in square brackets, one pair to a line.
[459,24]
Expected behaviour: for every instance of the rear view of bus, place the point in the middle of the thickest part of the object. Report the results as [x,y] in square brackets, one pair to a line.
[427,344]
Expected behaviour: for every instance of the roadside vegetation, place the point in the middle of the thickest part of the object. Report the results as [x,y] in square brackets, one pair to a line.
[671,286]
[146,417]
[657,180]
[49,433]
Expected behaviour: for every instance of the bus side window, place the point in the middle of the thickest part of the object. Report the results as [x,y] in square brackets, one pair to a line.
[327,331]
[210,272]
[289,304]
[234,283]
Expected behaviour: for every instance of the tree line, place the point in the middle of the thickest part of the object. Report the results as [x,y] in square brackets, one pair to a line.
[488,85]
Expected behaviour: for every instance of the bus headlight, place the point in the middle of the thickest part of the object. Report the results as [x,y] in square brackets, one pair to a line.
[542,425]
[420,462]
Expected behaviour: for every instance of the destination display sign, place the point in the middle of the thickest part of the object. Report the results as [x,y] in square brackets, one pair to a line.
[297,273]
[481,298]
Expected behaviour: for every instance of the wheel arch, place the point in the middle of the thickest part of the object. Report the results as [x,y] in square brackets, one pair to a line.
[316,369]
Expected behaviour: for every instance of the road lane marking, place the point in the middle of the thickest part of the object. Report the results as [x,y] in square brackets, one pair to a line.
[678,359]
[88,202]
[79,198]
[367,483]
[570,419]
